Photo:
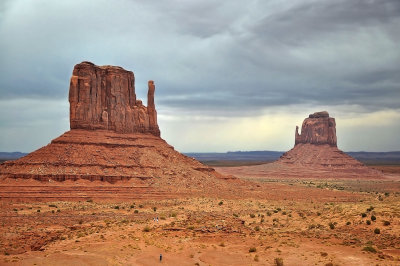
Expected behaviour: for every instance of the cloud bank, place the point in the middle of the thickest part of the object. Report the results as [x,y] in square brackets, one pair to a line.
[229,75]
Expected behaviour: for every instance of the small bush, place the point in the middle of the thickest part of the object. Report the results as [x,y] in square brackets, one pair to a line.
[386,223]
[146,229]
[252,215]
[141,206]
[252,249]
[369,249]
[257,228]
[52,211]
[38,210]
[318,214]
[173,214]
[80,222]
[373,218]
[222,244]
[132,206]
[154,209]
[52,206]
[116,207]
[363,215]
[331,225]
[136,211]
[220,203]
[278,261]
[368,222]
[15,210]
[377,231]
[348,223]
[58,210]
[235,215]
[324,254]
[89,200]
[269,213]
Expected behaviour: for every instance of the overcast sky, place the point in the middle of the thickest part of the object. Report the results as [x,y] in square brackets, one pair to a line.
[229,75]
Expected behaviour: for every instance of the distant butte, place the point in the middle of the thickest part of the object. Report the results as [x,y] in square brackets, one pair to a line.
[113,137]
[314,155]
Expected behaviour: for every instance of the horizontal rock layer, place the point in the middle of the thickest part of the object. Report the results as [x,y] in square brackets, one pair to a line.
[318,129]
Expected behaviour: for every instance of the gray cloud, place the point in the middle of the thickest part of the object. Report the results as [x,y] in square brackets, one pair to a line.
[209,57]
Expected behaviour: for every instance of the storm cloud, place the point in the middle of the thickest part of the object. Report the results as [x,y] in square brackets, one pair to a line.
[216,63]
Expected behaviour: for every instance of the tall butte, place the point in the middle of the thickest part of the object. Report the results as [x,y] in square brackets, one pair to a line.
[113,137]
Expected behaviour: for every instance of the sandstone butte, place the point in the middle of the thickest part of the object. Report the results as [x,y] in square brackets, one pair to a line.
[315,155]
[113,137]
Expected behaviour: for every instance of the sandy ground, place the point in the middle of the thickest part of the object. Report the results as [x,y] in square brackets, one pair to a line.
[297,222]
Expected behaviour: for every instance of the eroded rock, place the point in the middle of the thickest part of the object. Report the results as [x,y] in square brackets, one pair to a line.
[318,128]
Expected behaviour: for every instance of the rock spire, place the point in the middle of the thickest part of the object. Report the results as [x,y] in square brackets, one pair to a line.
[103,97]
[318,129]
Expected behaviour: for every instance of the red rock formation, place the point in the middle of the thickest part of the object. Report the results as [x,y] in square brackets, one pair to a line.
[103,97]
[318,128]
[109,139]
[315,155]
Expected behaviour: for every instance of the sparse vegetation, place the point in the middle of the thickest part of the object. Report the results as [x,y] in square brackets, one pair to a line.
[331,225]
[386,223]
[377,231]
[252,249]
[363,215]
[369,249]
[373,218]
[278,261]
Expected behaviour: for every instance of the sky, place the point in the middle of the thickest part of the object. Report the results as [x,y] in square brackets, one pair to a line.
[229,75]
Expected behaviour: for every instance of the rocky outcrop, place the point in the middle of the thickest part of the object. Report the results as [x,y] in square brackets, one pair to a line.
[103,97]
[318,129]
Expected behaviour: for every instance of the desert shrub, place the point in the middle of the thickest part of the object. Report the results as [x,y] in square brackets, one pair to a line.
[141,206]
[278,209]
[58,210]
[373,218]
[331,225]
[324,254]
[369,249]
[191,227]
[386,194]
[89,200]
[132,206]
[38,210]
[80,222]
[173,214]
[386,223]
[52,211]
[116,207]
[377,231]
[269,213]
[368,222]
[318,214]
[52,206]
[348,223]
[15,210]
[235,215]
[220,203]
[252,215]
[256,258]
[278,261]
[222,244]
[146,229]
[283,213]
[136,211]
[275,220]
[252,249]
[363,215]
[257,228]
[154,209]
[311,226]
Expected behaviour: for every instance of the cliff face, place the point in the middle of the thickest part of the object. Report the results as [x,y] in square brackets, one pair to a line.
[103,97]
[318,129]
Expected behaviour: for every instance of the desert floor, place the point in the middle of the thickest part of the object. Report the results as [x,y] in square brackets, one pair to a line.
[297,222]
